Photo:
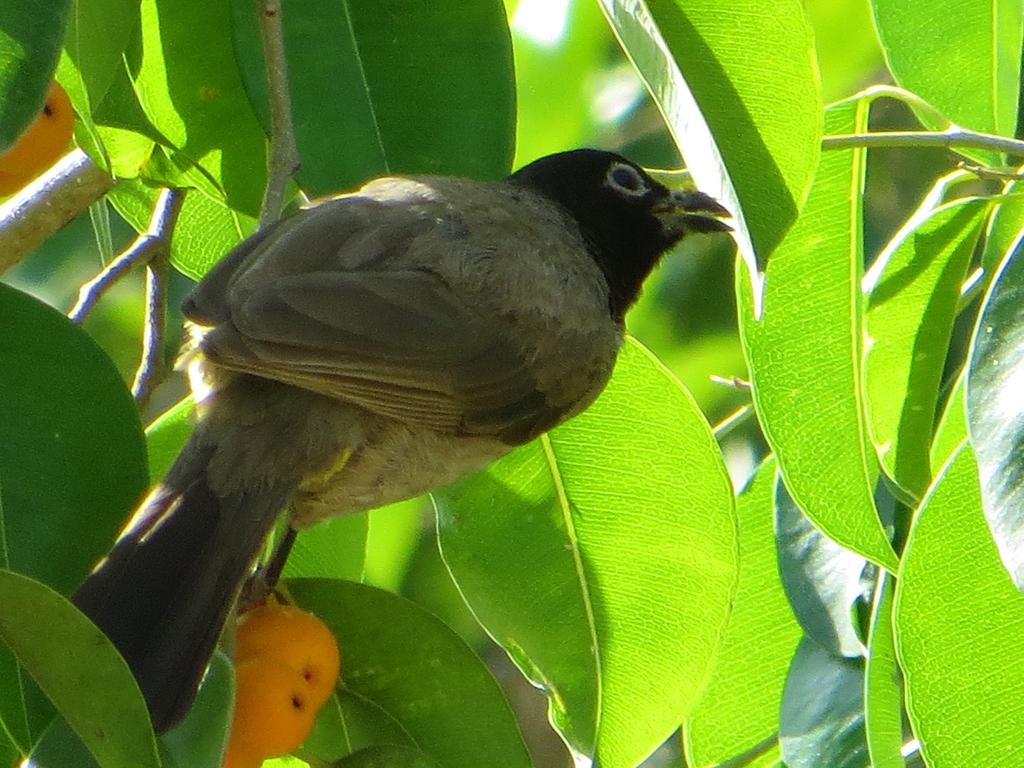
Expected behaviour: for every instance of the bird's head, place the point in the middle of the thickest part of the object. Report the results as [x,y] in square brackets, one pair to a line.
[627,219]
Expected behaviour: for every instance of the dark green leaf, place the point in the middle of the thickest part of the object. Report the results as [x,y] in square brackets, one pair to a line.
[382,86]
[822,717]
[821,578]
[958,621]
[60,747]
[995,409]
[79,670]
[72,459]
[167,435]
[31,35]
[806,354]
[561,547]
[407,672]
[749,134]
[386,757]
[914,290]
[738,709]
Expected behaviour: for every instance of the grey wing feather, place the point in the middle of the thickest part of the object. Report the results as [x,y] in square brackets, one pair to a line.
[398,343]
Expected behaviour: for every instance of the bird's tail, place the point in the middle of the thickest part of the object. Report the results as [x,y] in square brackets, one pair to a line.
[163,593]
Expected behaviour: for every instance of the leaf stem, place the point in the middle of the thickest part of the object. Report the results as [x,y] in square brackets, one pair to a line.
[284,153]
[953,137]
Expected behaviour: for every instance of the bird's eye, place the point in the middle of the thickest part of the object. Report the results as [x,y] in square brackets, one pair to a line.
[626,179]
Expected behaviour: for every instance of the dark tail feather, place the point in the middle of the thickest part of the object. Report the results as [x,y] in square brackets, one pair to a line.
[163,593]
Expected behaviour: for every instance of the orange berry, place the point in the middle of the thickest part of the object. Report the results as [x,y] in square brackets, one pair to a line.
[294,637]
[239,755]
[273,708]
[42,143]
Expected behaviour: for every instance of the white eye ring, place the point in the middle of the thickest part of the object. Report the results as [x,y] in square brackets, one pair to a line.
[626,179]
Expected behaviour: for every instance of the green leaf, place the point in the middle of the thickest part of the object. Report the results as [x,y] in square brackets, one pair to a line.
[822,718]
[332,549]
[822,579]
[404,88]
[79,670]
[1006,227]
[603,559]
[958,621]
[196,99]
[386,757]
[72,460]
[31,35]
[883,685]
[846,46]
[392,541]
[167,435]
[965,62]
[738,710]
[995,409]
[199,740]
[750,135]
[206,230]
[952,428]
[98,33]
[805,354]
[914,290]
[404,670]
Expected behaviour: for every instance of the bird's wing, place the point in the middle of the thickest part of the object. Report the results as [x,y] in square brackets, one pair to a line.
[397,342]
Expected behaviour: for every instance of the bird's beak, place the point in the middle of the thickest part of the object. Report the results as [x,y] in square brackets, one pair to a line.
[692,211]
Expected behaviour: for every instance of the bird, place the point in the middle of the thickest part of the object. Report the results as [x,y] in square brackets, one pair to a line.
[372,347]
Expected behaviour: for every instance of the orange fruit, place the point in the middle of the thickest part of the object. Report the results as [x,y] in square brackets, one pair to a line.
[42,143]
[273,709]
[297,639]
[239,755]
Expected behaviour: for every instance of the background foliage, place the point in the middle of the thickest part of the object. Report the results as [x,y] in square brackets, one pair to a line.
[855,601]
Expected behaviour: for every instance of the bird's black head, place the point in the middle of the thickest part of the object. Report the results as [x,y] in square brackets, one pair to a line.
[627,219]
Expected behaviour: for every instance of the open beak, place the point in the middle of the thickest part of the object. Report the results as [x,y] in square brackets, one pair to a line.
[692,211]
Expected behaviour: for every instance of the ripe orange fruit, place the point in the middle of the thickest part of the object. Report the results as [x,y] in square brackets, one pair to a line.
[273,709]
[239,755]
[42,143]
[298,639]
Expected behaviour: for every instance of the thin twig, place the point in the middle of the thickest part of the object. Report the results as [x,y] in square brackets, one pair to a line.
[727,425]
[997,174]
[48,203]
[153,367]
[953,137]
[141,251]
[284,153]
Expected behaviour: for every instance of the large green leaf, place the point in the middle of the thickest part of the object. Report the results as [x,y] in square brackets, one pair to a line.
[80,671]
[750,135]
[914,290]
[964,61]
[189,87]
[805,355]
[821,722]
[603,559]
[958,621]
[72,459]
[995,409]
[1006,226]
[738,710]
[31,35]
[406,676]
[382,86]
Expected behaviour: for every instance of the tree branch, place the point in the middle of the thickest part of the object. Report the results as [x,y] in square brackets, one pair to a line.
[48,203]
[284,153]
